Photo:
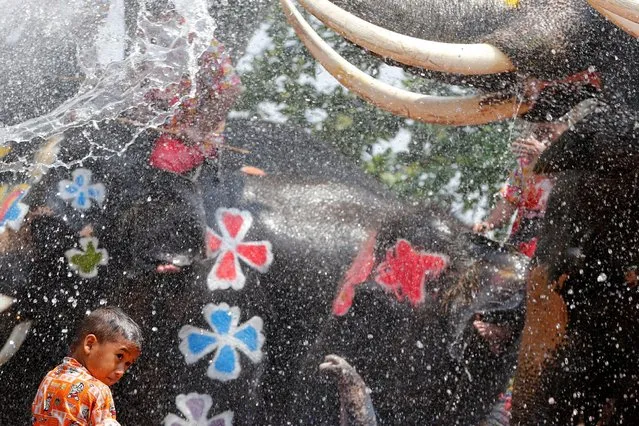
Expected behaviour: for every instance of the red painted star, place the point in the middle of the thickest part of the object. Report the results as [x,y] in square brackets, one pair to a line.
[405,271]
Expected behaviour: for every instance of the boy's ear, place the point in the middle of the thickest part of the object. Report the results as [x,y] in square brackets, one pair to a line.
[89,341]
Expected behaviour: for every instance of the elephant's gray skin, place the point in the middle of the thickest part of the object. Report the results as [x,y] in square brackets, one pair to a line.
[425,364]
[578,292]
[314,209]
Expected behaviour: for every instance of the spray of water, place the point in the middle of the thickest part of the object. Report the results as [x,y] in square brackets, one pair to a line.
[68,63]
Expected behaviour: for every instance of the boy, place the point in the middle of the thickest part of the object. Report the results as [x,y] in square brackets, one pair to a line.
[77,392]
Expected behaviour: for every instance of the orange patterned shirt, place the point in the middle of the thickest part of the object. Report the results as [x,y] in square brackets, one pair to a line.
[70,396]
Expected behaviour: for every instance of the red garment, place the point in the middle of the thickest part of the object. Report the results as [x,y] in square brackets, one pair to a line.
[529,192]
[70,396]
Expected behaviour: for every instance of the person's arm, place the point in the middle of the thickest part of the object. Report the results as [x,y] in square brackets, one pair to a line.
[500,215]
[218,87]
[530,148]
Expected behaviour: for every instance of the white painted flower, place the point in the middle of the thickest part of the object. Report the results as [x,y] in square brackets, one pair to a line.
[80,191]
[226,337]
[195,407]
[86,261]
[228,247]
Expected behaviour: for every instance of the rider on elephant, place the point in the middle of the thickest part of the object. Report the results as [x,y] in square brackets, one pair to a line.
[524,192]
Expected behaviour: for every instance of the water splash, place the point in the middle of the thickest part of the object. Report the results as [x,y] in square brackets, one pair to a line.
[67,63]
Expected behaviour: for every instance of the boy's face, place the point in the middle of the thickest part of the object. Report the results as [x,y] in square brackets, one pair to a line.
[108,361]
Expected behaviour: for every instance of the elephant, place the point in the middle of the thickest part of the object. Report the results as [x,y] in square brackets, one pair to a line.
[535,60]
[440,322]
[173,243]
[437,369]
[101,223]
[308,216]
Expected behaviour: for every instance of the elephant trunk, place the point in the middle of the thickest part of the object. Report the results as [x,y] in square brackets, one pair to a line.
[356,405]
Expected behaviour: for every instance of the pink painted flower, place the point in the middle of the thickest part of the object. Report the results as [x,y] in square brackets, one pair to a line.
[229,247]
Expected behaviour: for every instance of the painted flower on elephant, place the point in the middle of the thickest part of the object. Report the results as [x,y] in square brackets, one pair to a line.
[406,270]
[195,408]
[225,338]
[80,191]
[86,261]
[229,247]
[12,211]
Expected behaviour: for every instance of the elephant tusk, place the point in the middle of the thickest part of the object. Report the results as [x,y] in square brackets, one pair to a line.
[466,59]
[17,336]
[625,18]
[468,110]
[628,9]
[15,340]
[5,302]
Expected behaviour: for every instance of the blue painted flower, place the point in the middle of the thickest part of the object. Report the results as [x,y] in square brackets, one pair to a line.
[225,339]
[80,190]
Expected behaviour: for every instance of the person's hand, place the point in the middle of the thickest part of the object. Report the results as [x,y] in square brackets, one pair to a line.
[482,227]
[528,147]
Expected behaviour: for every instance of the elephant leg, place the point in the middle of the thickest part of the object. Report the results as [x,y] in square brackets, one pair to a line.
[544,332]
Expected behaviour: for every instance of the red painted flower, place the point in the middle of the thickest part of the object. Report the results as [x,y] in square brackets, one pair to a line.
[405,271]
[229,248]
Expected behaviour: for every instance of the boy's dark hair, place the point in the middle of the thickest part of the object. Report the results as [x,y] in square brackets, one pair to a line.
[109,324]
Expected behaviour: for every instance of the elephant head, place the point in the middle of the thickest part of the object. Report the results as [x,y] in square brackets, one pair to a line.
[504,43]
[536,60]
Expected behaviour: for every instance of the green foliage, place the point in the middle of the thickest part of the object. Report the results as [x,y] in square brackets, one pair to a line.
[476,158]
